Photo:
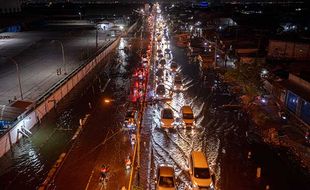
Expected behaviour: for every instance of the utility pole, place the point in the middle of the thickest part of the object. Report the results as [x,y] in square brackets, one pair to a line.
[96,37]
[63,55]
[18,75]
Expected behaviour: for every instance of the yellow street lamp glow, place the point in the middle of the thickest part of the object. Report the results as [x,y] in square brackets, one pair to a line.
[107,101]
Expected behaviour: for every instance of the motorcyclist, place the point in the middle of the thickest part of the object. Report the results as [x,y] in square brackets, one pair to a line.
[133,138]
[127,162]
[104,171]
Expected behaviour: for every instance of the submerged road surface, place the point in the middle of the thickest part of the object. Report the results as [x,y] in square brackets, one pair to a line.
[220,134]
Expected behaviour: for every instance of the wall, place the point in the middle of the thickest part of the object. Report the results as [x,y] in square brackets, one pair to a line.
[11,6]
[288,50]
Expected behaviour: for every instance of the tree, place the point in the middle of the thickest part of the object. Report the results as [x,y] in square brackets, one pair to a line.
[248,76]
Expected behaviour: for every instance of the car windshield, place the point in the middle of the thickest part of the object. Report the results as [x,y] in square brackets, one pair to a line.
[166,182]
[202,173]
[168,114]
[188,116]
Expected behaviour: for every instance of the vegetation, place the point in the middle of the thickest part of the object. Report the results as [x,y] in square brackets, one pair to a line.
[248,76]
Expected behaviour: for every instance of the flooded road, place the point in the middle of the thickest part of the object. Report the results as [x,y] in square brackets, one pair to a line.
[219,134]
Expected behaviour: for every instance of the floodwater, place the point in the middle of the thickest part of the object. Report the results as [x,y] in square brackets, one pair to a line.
[220,134]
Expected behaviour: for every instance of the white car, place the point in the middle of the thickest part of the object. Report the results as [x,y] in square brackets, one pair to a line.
[188,117]
[167,118]
[199,171]
[160,91]
[165,178]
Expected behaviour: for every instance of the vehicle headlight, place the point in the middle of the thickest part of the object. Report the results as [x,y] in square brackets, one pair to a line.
[211,185]
[195,185]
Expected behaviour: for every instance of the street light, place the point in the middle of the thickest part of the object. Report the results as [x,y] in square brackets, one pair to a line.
[18,75]
[63,55]
[108,100]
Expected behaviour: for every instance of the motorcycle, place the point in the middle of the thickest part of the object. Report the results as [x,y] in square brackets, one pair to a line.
[127,163]
[133,139]
[104,172]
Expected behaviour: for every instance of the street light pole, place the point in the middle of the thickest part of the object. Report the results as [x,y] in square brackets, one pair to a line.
[63,55]
[18,76]
[96,37]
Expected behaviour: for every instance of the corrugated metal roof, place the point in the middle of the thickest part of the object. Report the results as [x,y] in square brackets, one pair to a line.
[8,113]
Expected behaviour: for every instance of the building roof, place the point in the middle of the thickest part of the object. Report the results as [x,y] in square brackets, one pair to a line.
[9,113]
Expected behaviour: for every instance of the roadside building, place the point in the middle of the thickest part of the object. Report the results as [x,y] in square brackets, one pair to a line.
[294,94]
[7,7]
[289,50]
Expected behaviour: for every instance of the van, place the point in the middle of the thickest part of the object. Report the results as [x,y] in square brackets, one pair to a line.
[199,171]
[187,116]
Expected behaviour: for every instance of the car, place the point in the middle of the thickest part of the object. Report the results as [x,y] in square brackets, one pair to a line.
[159,74]
[173,66]
[140,74]
[199,171]
[160,91]
[178,86]
[131,118]
[162,62]
[168,55]
[165,178]
[167,118]
[188,116]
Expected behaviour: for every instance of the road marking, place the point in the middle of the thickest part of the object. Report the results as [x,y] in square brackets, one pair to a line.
[88,182]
